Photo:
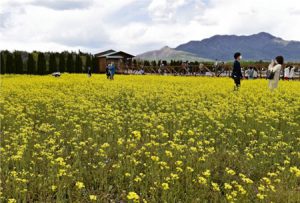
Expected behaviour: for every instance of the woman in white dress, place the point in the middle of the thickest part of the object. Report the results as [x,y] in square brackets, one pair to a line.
[292,73]
[287,73]
[275,67]
[255,74]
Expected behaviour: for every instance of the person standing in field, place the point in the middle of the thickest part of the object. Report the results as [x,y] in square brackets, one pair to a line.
[275,68]
[89,72]
[107,71]
[250,73]
[286,73]
[112,71]
[255,73]
[292,73]
[237,71]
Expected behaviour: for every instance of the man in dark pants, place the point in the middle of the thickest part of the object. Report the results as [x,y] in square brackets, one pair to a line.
[89,72]
[237,71]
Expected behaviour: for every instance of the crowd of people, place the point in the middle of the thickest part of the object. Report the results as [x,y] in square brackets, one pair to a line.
[289,72]
[251,73]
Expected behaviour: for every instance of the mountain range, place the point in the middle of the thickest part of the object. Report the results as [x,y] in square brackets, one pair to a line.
[167,54]
[261,46]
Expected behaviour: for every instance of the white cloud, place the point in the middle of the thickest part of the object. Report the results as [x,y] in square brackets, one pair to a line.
[63,4]
[164,9]
[137,25]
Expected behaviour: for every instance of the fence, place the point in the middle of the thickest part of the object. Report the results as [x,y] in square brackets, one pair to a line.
[222,70]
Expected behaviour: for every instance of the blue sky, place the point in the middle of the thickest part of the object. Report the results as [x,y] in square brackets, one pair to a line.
[137,26]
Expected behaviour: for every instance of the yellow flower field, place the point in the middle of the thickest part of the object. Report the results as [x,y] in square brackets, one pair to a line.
[148,139]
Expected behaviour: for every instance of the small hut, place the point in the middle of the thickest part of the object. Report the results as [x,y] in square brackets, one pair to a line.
[121,59]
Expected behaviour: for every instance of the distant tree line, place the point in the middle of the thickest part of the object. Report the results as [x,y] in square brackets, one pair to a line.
[42,63]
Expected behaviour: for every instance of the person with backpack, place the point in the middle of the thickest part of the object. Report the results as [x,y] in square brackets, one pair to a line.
[237,71]
[274,72]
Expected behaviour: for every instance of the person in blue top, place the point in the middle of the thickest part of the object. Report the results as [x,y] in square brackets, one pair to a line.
[112,70]
[237,70]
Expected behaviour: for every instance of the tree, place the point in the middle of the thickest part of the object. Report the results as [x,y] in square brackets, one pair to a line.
[2,66]
[52,63]
[9,63]
[18,62]
[153,63]
[134,62]
[159,62]
[146,63]
[78,64]
[95,65]
[172,63]
[70,63]
[62,62]
[30,65]
[88,62]
[41,64]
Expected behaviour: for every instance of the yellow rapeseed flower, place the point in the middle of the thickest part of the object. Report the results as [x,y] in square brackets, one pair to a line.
[202,180]
[133,196]
[79,185]
[215,187]
[165,186]
[93,197]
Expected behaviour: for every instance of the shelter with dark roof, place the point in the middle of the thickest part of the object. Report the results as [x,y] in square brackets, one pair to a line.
[121,59]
